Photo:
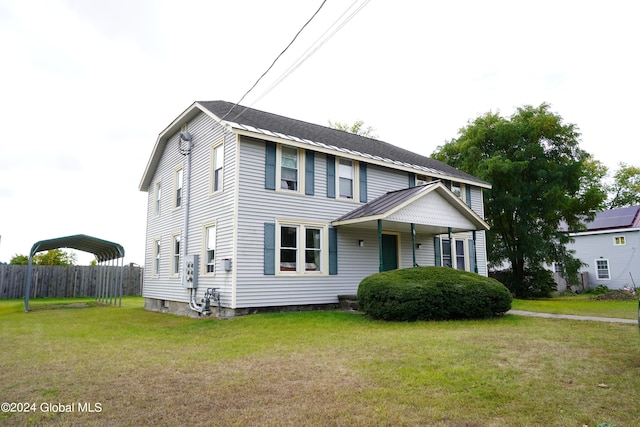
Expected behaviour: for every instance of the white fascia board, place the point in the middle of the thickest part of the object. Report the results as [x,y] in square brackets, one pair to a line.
[349,154]
[609,231]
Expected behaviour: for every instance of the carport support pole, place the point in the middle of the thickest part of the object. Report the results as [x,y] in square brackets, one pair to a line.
[413,243]
[380,268]
[27,285]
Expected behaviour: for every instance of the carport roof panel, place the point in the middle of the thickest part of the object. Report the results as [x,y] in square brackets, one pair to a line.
[102,249]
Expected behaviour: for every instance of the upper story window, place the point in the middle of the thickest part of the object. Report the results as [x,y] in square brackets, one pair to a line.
[346,179]
[619,241]
[602,269]
[456,189]
[158,197]
[217,166]
[179,181]
[421,179]
[289,168]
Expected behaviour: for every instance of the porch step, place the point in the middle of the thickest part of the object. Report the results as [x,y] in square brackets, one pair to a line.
[348,302]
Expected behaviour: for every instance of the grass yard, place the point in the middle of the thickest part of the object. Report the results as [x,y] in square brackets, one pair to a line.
[134,367]
[582,305]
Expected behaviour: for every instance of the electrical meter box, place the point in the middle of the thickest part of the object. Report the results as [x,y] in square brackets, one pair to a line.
[190,272]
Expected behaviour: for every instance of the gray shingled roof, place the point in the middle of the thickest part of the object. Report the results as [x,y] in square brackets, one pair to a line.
[322,134]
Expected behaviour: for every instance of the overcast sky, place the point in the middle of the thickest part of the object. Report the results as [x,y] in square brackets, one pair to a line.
[86,86]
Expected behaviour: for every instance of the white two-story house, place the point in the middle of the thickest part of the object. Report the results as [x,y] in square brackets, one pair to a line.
[276,213]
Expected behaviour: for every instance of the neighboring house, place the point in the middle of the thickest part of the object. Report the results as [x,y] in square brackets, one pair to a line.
[609,248]
[283,214]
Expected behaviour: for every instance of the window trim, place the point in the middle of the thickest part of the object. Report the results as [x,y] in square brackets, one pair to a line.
[301,248]
[608,270]
[355,167]
[176,267]
[301,169]
[157,197]
[212,175]
[177,173]
[621,238]
[454,256]
[205,249]
[157,257]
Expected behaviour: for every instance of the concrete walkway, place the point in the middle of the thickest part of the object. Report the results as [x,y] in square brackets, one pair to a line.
[571,317]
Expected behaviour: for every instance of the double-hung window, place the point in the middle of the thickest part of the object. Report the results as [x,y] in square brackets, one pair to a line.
[175,255]
[454,256]
[156,256]
[346,179]
[217,166]
[158,197]
[179,181]
[602,269]
[301,248]
[210,248]
[289,168]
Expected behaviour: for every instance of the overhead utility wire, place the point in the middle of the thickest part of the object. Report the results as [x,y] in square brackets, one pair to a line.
[309,52]
[275,60]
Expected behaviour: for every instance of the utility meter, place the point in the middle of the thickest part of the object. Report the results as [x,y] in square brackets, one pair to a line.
[190,272]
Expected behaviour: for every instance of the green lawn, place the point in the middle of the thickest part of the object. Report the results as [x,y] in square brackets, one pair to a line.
[582,305]
[311,368]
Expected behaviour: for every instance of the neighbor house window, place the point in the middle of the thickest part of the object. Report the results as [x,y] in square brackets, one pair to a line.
[158,197]
[156,257]
[179,180]
[602,269]
[175,255]
[619,241]
[301,248]
[289,170]
[210,248]
[217,162]
[346,178]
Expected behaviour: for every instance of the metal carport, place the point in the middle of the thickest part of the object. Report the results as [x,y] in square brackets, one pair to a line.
[106,253]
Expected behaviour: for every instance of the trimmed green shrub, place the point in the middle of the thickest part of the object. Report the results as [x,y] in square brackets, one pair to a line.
[432,293]
[538,283]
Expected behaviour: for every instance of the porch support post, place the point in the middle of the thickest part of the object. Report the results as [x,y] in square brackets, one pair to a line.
[453,261]
[380,244]
[475,253]
[413,243]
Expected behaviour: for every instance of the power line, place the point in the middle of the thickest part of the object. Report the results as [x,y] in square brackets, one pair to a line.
[311,50]
[275,60]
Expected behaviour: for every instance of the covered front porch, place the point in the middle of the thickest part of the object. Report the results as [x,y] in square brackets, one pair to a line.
[442,229]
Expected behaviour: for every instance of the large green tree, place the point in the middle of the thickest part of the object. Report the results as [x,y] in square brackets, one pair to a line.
[625,189]
[540,180]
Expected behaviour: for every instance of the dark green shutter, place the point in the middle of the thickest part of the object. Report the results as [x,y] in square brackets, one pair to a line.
[269,248]
[333,251]
[331,176]
[309,173]
[468,195]
[270,166]
[363,182]
[436,245]
[473,267]
[412,179]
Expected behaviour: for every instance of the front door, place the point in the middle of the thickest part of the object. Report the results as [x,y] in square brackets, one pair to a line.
[389,252]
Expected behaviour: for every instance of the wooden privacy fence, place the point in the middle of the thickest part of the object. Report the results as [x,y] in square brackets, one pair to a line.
[55,281]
